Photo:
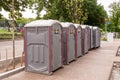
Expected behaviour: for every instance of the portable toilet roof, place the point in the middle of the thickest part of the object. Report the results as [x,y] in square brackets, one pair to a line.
[90,27]
[66,24]
[77,25]
[95,27]
[83,25]
[41,23]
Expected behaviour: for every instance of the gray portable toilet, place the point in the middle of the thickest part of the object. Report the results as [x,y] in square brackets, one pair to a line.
[68,42]
[99,38]
[78,40]
[96,36]
[43,47]
[98,33]
[91,37]
[84,39]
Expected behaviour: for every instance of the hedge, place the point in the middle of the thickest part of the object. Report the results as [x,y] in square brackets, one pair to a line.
[9,35]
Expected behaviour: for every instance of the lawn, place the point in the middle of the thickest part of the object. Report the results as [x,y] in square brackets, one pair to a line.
[2,31]
[4,34]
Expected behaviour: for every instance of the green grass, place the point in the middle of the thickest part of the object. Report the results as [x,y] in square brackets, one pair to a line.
[4,34]
[2,31]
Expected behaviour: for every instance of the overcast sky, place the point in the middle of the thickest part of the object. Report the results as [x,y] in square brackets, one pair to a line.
[106,4]
[28,13]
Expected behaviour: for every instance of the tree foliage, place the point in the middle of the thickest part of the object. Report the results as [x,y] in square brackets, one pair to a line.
[38,6]
[76,11]
[115,15]
[57,10]
[19,5]
[17,14]
[63,10]
[96,13]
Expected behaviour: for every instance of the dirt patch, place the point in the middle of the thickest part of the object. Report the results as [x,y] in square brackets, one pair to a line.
[10,67]
[115,72]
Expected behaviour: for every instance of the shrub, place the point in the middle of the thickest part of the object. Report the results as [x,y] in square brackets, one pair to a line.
[104,39]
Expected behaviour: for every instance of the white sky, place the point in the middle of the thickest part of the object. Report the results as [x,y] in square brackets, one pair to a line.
[28,13]
[106,4]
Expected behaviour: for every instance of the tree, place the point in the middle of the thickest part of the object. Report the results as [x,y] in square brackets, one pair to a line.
[1,16]
[12,6]
[65,10]
[75,11]
[37,5]
[115,15]
[95,12]
[19,5]
[101,15]
[56,10]
[18,15]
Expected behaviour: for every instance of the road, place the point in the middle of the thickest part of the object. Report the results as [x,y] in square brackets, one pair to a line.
[6,46]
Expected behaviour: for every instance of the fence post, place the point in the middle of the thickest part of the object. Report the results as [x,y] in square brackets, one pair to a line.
[0,55]
[22,58]
[6,60]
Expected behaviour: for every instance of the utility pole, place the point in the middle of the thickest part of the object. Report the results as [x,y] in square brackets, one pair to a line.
[13,35]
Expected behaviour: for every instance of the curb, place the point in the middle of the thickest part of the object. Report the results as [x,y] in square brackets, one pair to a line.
[11,72]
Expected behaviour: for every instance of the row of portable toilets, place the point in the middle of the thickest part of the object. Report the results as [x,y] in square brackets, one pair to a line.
[48,44]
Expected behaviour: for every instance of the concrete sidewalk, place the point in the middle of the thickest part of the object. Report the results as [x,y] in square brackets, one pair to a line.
[96,65]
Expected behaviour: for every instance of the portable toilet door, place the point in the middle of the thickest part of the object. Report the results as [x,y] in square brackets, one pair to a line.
[78,40]
[91,37]
[42,46]
[95,36]
[84,39]
[68,42]
[88,36]
[98,37]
